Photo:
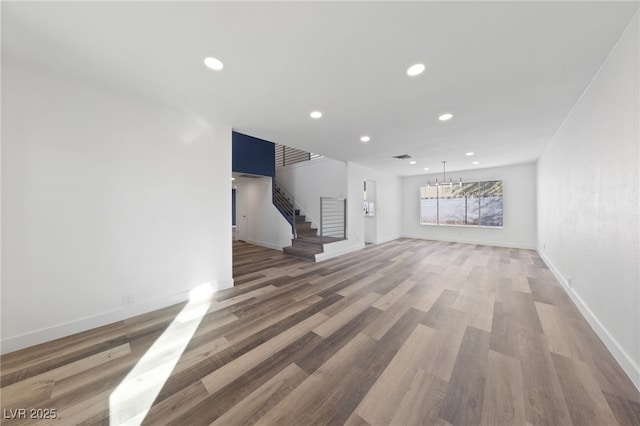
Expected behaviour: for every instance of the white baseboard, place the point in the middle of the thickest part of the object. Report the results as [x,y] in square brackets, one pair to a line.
[480,243]
[621,356]
[14,343]
[386,240]
[265,245]
[339,251]
[348,249]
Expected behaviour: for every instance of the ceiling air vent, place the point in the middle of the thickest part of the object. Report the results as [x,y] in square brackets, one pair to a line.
[402,157]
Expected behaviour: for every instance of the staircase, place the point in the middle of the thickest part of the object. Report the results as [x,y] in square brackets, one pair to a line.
[307,242]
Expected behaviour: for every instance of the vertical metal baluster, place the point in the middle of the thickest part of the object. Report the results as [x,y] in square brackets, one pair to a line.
[344,219]
[321,220]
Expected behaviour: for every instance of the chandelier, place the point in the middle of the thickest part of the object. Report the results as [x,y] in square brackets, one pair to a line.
[444,178]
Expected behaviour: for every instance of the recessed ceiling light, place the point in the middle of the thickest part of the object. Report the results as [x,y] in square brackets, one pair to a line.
[213,63]
[426,168]
[365,139]
[475,163]
[412,162]
[315,114]
[445,117]
[233,178]
[469,154]
[415,69]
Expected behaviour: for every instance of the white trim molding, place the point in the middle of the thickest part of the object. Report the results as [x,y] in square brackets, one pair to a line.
[619,354]
[58,331]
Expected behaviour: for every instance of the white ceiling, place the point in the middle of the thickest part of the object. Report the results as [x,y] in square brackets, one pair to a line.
[510,72]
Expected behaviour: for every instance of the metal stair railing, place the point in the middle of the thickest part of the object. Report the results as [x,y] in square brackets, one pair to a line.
[286,155]
[333,218]
[286,204]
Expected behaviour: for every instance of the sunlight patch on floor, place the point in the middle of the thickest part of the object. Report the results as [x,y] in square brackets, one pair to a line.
[130,402]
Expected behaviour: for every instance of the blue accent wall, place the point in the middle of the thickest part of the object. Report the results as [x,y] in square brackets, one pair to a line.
[252,155]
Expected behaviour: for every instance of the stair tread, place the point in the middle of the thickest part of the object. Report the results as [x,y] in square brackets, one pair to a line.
[303,249]
[307,232]
[303,252]
[304,243]
[316,239]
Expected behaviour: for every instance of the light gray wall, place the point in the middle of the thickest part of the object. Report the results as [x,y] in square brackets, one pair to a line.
[265,225]
[519,193]
[388,207]
[588,206]
[310,180]
[104,196]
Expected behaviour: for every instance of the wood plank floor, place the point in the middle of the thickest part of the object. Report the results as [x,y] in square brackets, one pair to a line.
[403,333]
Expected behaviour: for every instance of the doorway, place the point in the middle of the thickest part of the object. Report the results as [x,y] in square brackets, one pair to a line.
[242,214]
[233,212]
[370,212]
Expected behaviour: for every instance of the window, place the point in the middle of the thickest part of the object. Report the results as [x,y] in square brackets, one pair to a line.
[465,204]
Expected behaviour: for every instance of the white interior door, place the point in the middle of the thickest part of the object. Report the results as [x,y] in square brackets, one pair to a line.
[242,213]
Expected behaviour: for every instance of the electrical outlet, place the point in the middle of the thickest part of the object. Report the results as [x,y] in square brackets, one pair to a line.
[127,300]
[544,246]
[570,282]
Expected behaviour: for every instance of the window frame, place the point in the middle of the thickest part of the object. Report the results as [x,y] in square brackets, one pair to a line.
[487,187]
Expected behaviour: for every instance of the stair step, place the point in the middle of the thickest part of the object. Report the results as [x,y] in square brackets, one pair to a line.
[306,232]
[300,219]
[304,225]
[317,239]
[308,243]
[303,252]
